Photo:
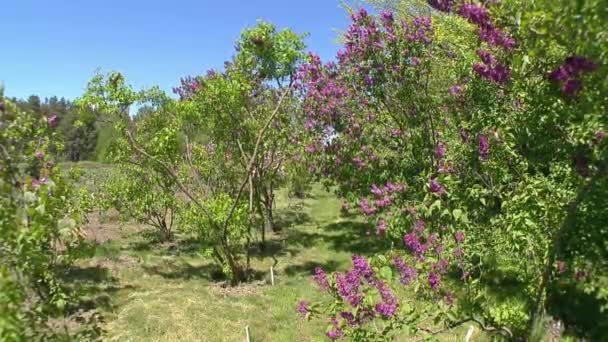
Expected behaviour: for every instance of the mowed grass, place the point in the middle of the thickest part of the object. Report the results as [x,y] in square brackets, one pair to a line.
[154,292]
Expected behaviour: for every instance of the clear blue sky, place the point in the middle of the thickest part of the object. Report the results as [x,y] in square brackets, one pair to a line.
[52,47]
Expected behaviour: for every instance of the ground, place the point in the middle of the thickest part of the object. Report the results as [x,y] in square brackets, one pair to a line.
[147,291]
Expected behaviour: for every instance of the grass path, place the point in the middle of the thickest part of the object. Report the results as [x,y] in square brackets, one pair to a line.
[153,292]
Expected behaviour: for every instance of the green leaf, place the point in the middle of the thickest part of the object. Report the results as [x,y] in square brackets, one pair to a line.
[66,226]
[457,214]
[386,272]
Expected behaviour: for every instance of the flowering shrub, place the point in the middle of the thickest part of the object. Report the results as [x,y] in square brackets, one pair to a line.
[40,212]
[222,146]
[489,149]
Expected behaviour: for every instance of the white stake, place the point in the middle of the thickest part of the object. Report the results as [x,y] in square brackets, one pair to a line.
[469,333]
[271,275]
[247,332]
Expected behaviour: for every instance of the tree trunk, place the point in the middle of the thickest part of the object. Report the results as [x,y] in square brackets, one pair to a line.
[263,227]
[268,219]
[166,235]
[555,250]
[268,194]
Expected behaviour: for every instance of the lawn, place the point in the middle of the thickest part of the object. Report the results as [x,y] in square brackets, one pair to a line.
[166,292]
[148,291]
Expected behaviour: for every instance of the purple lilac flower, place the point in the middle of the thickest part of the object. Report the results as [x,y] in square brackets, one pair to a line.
[359,162]
[35,183]
[321,278]
[360,15]
[420,31]
[366,208]
[348,287]
[407,272]
[419,226]
[440,150]
[599,137]
[349,317]
[486,57]
[389,303]
[39,155]
[449,298]
[441,266]
[566,74]
[303,307]
[571,87]
[475,14]
[436,187]
[412,242]
[572,67]
[335,334]
[53,120]
[442,5]
[362,267]
[383,202]
[458,252]
[455,90]
[459,236]
[310,124]
[395,132]
[377,191]
[415,61]
[484,147]
[496,37]
[434,280]
[394,187]
[387,18]
[498,73]
[580,275]
[310,148]
[381,227]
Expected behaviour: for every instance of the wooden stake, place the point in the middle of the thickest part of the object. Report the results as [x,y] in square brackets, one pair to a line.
[271,275]
[469,333]
[247,332]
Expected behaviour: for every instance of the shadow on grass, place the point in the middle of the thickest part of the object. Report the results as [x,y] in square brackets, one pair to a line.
[346,236]
[95,287]
[186,271]
[285,219]
[307,268]
[581,312]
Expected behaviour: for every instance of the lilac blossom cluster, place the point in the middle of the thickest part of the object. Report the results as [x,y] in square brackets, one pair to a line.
[442,5]
[488,32]
[189,86]
[490,69]
[408,273]
[349,287]
[384,198]
[484,147]
[567,74]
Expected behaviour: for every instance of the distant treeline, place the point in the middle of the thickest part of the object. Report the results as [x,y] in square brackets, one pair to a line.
[83,135]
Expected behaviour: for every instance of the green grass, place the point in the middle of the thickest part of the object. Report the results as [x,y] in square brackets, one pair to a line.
[151,292]
[147,291]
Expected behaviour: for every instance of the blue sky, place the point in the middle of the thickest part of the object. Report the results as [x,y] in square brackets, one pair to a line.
[53,47]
